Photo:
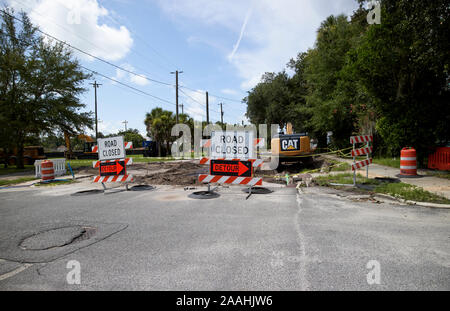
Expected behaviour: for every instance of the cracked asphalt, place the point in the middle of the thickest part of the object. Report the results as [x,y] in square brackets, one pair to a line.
[309,239]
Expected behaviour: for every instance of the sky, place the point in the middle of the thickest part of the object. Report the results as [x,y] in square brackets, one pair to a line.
[222,46]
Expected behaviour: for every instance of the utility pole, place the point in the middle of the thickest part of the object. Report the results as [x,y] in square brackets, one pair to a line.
[207,108]
[182,108]
[125,122]
[176,90]
[221,113]
[96,85]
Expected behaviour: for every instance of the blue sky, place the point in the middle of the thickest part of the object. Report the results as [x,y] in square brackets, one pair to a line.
[222,47]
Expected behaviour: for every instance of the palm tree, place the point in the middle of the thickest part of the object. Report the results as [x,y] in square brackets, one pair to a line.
[159,123]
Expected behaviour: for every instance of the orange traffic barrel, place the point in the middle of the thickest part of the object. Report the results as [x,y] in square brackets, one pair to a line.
[47,170]
[408,162]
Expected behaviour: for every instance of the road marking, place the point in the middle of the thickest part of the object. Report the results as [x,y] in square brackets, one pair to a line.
[304,285]
[14,272]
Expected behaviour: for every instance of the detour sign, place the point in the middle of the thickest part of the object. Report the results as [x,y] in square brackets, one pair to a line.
[112,168]
[231,168]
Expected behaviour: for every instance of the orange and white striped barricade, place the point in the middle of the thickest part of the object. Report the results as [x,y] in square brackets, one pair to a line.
[255,162]
[231,171]
[367,150]
[361,164]
[113,171]
[112,163]
[96,164]
[231,158]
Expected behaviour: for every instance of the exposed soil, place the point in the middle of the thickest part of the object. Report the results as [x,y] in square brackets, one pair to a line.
[170,173]
[186,172]
[292,168]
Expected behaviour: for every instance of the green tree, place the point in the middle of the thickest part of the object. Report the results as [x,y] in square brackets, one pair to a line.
[132,135]
[269,101]
[326,103]
[404,64]
[159,123]
[39,84]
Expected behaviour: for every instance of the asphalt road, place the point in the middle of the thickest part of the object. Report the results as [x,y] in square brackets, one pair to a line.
[163,240]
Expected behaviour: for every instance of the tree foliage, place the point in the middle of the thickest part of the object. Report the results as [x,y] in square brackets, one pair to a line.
[390,80]
[159,124]
[39,84]
[132,135]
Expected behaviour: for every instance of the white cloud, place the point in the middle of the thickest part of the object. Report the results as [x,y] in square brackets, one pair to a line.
[139,80]
[195,105]
[124,76]
[229,92]
[277,30]
[78,23]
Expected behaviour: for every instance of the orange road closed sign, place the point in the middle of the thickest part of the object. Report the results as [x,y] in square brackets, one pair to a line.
[231,168]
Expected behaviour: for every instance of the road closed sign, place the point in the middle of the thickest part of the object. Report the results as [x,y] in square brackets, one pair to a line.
[232,145]
[111,148]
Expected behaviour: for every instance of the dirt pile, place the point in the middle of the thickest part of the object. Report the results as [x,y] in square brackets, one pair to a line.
[171,173]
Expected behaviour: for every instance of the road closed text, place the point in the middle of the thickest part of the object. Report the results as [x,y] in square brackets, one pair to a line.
[111,153]
[242,150]
[111,148]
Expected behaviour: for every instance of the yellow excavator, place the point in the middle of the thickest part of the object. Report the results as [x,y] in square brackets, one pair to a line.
[292,147]
[86,153]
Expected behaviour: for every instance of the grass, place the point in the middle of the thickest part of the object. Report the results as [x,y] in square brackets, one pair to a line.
[13,169]
[9,182]
[345,178]
[337,166]
[137,158]
[410,192]
[398,190]
[440,174]
[387,162]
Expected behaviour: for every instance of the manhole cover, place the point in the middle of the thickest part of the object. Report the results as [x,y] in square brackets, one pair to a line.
[141,188]
[257,190]
[204,195]
[86,192]
[58,237]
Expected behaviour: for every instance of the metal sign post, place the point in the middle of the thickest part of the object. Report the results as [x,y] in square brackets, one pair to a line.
[354,161]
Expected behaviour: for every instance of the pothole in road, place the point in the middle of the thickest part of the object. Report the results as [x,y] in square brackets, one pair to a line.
[87,192]
[257,190]
[58,237]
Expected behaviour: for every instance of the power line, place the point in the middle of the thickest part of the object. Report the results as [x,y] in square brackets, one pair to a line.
[195,100]
[120,68]
[143,41]
[74,33]
[91,55]
[126,85]
[220,97]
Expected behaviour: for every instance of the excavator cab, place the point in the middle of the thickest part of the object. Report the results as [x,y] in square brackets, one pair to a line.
[291,147]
